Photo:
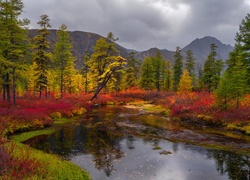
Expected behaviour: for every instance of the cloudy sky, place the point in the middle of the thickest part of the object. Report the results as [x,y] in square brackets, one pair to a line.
[142,24]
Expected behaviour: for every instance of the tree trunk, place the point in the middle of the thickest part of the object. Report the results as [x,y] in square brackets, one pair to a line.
[7,86]
[14,86]
[4,93]
[100,86]
[61,85]
[40,92]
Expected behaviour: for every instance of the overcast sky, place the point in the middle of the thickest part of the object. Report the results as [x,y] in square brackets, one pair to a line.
[142,24]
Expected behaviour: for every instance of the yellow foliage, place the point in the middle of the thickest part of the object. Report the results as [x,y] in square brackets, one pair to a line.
[185,84]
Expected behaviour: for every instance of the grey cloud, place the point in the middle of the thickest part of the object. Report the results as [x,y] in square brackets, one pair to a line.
[141,24]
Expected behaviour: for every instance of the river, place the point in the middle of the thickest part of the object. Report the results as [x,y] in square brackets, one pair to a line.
[118,142]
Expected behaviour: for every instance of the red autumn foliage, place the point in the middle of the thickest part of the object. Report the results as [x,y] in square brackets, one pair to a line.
[13,167]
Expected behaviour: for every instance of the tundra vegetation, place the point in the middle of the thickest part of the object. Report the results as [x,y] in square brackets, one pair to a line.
[40,86]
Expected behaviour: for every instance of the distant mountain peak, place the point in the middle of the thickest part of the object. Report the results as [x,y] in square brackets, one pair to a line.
[201,48]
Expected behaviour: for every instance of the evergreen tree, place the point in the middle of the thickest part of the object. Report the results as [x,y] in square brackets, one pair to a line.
[104,63]
[168,76]
[41,54]
[147,80]
[63,57]
[190,63]
[159,70]
[178,66]
[233,85]
[212,69]
[185,84]
[13,46]
[132,71]
[242,46]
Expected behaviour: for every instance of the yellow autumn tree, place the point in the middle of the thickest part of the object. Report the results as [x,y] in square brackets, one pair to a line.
[185,84]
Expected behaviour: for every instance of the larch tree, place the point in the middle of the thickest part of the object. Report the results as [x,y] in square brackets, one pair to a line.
[147,80]
[85,72]
[14,45]
[42,56]
[104,63]
[177,68]
[63,58]
[185,84]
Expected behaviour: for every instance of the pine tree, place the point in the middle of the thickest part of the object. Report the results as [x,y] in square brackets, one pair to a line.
[178,66]
[41,54]
[13,46]
[63,58]
[147,80]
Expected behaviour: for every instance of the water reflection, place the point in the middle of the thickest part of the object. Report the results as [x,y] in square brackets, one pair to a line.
[104,146]
[236,166]
[109,151]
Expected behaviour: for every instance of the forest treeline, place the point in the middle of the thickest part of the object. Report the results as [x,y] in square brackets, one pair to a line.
[34,67]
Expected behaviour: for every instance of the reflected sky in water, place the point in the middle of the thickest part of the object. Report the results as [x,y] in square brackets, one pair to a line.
[143,162]
[113,146]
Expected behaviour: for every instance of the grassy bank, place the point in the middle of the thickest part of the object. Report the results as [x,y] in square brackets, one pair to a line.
[22,162]
[33,117]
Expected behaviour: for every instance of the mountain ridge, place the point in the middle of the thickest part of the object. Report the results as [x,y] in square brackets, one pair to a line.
[84,42]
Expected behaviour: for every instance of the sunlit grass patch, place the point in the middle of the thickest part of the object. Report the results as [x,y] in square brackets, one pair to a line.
[27,135]
[157,109]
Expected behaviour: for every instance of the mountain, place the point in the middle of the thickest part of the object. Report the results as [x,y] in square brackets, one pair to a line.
[84,42]
[166,54]
[201,48]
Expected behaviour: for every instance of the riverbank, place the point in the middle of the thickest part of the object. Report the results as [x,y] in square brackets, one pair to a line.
[193,109]
[197,109]
[21,162]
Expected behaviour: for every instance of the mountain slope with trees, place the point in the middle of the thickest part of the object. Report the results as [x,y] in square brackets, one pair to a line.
[84,42]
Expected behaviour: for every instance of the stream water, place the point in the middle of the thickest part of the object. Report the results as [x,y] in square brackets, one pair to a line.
[124,143]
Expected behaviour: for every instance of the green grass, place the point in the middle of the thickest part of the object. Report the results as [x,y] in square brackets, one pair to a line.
[52,166]
[27,135]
